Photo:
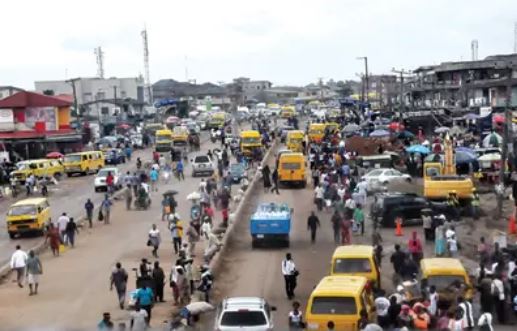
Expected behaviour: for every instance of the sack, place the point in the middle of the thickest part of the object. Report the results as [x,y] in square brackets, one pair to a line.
[296,273]
[100,216]
[149,243]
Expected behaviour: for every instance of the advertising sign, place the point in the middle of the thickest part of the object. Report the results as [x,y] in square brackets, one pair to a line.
[6,120]
[41,114]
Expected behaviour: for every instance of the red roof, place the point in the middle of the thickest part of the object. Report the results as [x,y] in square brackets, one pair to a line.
[30,99]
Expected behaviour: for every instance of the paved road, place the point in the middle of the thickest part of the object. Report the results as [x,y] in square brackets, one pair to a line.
[79,188]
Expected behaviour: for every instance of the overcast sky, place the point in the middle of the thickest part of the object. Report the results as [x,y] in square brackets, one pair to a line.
[286,42]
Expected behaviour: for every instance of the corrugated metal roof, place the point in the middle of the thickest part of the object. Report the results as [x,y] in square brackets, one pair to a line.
[26,99]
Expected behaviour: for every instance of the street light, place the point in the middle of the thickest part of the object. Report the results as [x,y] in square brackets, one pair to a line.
[366,85]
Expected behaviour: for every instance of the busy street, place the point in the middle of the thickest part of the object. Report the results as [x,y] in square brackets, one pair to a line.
[258,166]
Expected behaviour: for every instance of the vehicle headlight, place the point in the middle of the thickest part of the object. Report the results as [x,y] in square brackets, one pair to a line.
[313,326]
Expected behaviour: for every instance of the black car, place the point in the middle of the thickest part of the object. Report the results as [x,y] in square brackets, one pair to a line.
[115,156]
[237,172]
[387,206]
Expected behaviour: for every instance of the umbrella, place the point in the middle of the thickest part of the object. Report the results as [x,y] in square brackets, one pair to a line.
[465,157]
[395,126]
[170,192]
[124,126]
[418,149]
[172,120]
[54,155]
[406,134]
[194,196]
[442,129]
[351,128]
[471,116]
[199,307]
[455,130]
[492,140]
[498,119]
[380,133]
[465,149]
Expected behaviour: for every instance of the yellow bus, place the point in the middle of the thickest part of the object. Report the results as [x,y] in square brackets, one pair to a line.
[83,162]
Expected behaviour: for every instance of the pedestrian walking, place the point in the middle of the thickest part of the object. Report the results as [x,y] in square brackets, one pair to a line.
[467,313]
[158,277]
[145,298]
[176,228]
[319,195]
[61,224]
[70,231]
[105,324]
[266,172]
[179,170]
[54,239]
[88,207]
[110,183]
[290,273]
[128,196]
[19,263]
[346,224]
[154,240]
[106,209]
[415,248]
[485,322]
[206,282]
[296,318]
[313,223]
[33,271]
[139,319]
[336,226]
[359,218]
[499,297]
[274,177]
[118,279]
[153,176]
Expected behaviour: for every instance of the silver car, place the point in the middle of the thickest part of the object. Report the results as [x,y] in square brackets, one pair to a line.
[244,314]
[202,165]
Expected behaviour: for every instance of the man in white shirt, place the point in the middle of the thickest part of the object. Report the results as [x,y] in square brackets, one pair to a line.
[61,223]
[499,299]
[18,263]
[381,307]
[289,272]
[468,314]
[138,319]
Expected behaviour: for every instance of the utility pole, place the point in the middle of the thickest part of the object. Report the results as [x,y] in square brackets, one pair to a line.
[401,73]
[74,92]
[506,138]
[366,84]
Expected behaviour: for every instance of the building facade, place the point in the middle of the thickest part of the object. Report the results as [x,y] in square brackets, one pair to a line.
[98,97]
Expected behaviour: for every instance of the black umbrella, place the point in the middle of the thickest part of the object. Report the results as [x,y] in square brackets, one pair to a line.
[170,192]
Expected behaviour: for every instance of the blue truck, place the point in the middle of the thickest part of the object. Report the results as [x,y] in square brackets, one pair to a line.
[270,223]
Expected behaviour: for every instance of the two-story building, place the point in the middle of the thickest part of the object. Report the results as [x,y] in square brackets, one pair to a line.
[33,124]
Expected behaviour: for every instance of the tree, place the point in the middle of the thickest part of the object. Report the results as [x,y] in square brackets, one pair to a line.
[48,92]
[344,89]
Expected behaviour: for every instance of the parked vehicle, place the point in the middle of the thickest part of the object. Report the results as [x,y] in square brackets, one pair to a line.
[271,222]
[244,314]
[202,165]
[40,168]
[379,178]
[28,215]
[99,182]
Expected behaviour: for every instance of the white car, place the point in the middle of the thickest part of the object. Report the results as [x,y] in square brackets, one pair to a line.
[244,314]
[202,165]
[100,179]
[381,177]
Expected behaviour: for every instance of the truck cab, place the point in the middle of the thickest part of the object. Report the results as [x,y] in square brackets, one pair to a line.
[437,185]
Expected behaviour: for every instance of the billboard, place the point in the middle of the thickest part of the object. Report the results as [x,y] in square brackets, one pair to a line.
[48,115]
[6,120]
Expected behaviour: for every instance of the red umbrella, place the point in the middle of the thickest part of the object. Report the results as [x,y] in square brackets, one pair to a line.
[54,155]
[124,126]
[396,126]
[499,119]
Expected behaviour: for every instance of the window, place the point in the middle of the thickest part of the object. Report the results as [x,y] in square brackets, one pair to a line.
[346,266]
[291,165]
[202,159]
[243,318]
[443,282]
[72,158]
[333,305]
[22,210]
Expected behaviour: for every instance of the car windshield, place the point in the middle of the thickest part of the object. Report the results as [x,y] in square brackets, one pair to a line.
[163,138]
[202,159]
[250,140]
[243,318]
[443,282]
[72,158]
[22,210]
[104,172]
[350,265]
[334,306]
[374,173]
[23,166]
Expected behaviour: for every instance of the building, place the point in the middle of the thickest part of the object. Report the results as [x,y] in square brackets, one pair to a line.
[7,91]
[33,124]
[250,89]
[464,85]
[170,88]
[97,97]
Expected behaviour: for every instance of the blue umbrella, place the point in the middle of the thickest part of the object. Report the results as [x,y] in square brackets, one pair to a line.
[405,134]
[380,133]
[420,149]
[465,149]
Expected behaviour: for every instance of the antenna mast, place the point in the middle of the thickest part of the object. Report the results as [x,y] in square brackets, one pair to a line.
[147,76]
[99,56]
[474,49]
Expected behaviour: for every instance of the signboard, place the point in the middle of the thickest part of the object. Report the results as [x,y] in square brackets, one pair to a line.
[41,114]
[6,120]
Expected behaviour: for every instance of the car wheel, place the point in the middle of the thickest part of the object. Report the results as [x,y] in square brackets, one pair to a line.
[69,174]
[96,189]
[408,180]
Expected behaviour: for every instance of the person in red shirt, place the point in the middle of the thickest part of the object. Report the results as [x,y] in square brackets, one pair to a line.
[415,248]
[109,182]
